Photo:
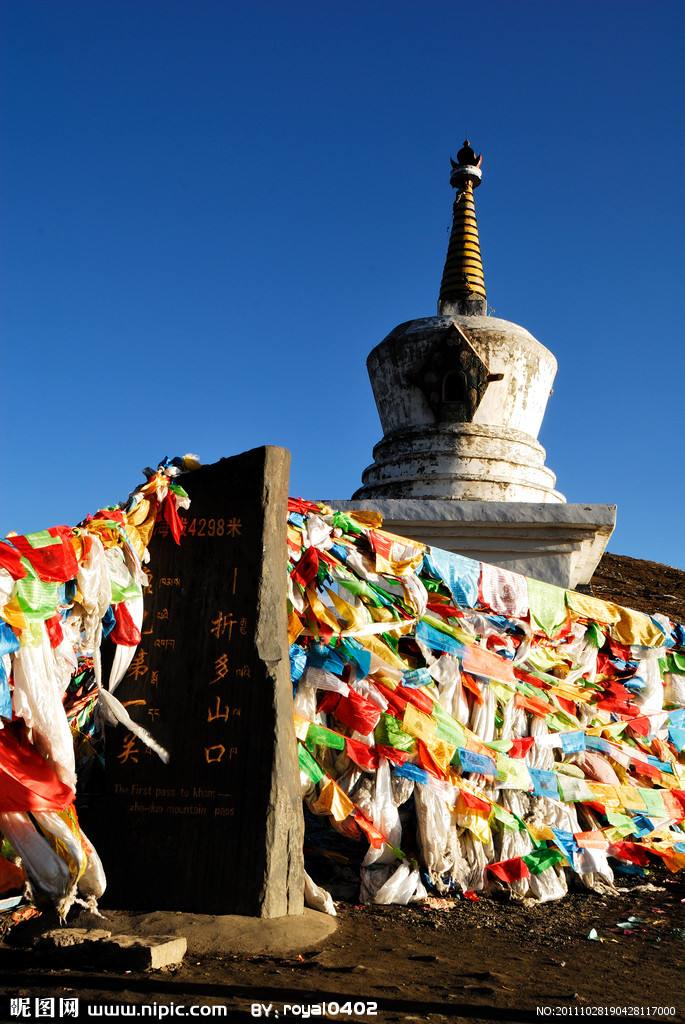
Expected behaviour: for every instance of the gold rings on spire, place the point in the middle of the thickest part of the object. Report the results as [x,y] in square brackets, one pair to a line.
[462,288]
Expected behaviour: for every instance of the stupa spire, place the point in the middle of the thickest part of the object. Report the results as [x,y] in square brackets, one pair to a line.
[462,289]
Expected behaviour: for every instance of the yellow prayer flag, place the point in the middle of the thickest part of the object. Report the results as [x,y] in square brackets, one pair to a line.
[630,798]
[540,832]
[604,794]
[331,800]
[592,608]
[351,616]
[381,650]
[301,727]
[441,752]
[13,614]
[322,613]
[419,725]
[476,824]
[365,517]
[295,627]
[636,628]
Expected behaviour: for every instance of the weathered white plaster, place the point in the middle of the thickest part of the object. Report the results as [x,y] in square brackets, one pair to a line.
[463,460]
[495,457]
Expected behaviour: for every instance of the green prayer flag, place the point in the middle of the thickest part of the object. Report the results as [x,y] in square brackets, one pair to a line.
[502,746]
[360,588]
[624,824]
[344,523]
[677,663]
[308,765]
[42,539]
[547,605]
[505,817]
[448,728]
[541,859]
[595,635]
[37,599]
[122,592]
[389,733]
[653,802]
[318,735]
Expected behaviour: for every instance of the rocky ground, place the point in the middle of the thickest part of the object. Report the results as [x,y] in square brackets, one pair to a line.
[486,960]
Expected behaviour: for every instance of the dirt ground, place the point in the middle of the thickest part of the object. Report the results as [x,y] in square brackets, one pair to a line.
[490,960]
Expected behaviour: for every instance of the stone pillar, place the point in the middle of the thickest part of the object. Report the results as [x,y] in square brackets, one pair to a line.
[219,829]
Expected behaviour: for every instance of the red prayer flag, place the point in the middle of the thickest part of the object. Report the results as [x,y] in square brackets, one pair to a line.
[427,761]
[172,518]
[421,700]
[618,707]
[445,611]
[328,702]
[640,726]
[509,870]
[396,704]
[54,562]
[375,837]
[125,631]
[393,755]
[644,768]
[381,543]
[302,506]
[473,686]
[520,747]
[307,567]
[619,650]
[10,559]
[536,707]
[358,713]
[27,781]
[631,852]
[361,754]
[53,627]
[679,794]
[528,677]
[473,803]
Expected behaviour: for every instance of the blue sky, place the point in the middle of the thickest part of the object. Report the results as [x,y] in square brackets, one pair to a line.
[213,211]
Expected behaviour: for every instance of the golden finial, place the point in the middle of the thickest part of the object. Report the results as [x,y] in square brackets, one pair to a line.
[462,289]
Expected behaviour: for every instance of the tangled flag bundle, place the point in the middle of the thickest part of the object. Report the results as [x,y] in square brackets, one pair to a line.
[532,730]
[538,730]
[62,591]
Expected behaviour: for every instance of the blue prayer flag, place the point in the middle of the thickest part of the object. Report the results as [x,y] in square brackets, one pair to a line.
[544,783]
[472,762]
[572,742]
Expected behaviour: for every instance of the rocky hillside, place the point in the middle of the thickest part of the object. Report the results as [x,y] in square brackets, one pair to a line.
[647,586]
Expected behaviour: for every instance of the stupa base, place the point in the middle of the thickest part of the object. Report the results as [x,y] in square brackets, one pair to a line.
[558,543]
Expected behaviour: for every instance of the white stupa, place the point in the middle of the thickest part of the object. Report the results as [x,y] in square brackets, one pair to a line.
[461,398]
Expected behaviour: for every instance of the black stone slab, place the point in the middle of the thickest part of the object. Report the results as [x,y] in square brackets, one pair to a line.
[219,828]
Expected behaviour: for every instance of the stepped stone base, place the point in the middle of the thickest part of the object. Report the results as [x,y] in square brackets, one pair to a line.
[558,543]
[461,461]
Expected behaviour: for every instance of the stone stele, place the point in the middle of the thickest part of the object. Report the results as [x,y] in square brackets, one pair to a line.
[219,829]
